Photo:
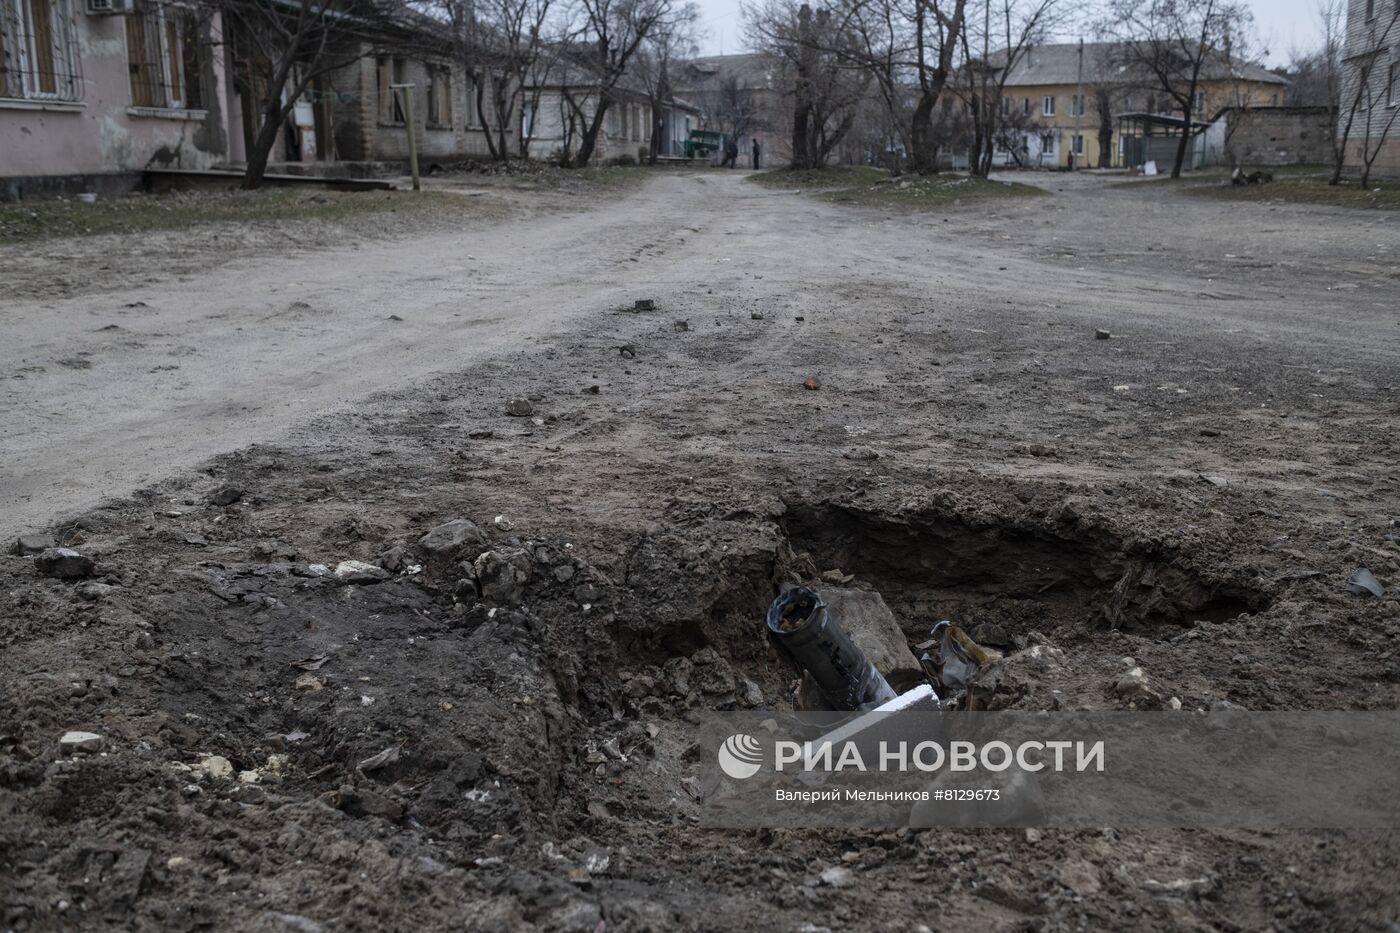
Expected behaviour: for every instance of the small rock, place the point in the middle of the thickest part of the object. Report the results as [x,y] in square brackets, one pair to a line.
[750,694]
[680,326]
[74,742]
[215,766]
[92,591]
[1080,877]
[564,573]
[1219,482]
[308,682]
[395,317]
[811,383]
[357,571]
[1101,335]
[1209,432]
[519,408]
[1133,686]
[197,540]
[755,316]
[799,318]
[990,634]
[481,434]
[226,495]
[33,544]
[382,760]
[64,563]
[502,575]
[1033,835]
[392,560]
[838,876]
[1182,887]
[592,390]
[451,535]
[644,304]
[861,453]
[1174,703]
[628,351]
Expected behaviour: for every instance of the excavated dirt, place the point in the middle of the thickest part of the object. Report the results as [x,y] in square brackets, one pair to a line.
[500,735]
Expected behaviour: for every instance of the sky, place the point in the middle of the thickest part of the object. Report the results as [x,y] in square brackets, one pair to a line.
[1280,25]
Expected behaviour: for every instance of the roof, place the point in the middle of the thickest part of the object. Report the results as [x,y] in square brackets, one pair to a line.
[749,69]
[1058,63]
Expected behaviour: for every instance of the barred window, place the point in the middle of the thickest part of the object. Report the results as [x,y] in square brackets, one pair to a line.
[440,96]
[391,72]
[37,56]
[163,58]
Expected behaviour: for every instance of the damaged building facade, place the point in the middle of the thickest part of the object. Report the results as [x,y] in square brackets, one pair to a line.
[93,91]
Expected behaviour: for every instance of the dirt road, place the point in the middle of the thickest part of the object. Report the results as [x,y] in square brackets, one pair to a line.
[1206,478]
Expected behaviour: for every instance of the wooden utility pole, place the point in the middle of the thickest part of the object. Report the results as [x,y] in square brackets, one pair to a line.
[412,129]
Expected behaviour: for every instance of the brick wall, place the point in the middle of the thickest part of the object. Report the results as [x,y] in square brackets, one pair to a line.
[1282,136]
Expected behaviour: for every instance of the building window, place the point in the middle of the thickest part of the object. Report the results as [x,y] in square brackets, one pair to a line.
[1048,109]
[391,72]
[1026,106]
[1370,10]
[163,59]
[1006,106]
[1047,142]
[1198,102]
[527,119]
[37,57]
[1076,105]
[440,96]
[1078,144]
[473,104]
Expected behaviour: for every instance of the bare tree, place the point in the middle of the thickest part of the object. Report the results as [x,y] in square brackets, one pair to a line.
[653,66]
[993,45]
[609,36]
[1171,44]
[938,26]
[279,48]
[820,53]
[1360,98]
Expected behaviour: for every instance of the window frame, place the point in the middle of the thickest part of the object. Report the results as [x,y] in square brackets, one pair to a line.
[173,23]
[391,109]
[439,96]
[1047,106]
[19,39]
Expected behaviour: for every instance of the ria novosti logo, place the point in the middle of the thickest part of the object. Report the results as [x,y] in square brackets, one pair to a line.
[740,756]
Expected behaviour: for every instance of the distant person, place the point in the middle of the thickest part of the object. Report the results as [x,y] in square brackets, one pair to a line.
[755,153]
[731,155]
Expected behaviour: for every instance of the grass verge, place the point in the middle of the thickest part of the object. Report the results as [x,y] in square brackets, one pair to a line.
[871,187]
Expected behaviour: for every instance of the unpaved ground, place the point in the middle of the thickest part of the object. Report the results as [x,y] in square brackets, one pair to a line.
[1236,436]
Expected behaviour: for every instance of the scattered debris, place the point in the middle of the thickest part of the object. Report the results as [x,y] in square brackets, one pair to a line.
[1182,887]
[1240,177]
[215,766]
[812,383]
[226,495]
[313,663]
[357,571]
[755,315]
[861,453]
[395,317]
[644,304]
[520,408]
[1102,335]
[804,627]
[680,326]
[592,390]
[1219,482]
[308,683]
[26,545]
[382,760]
[64,563]
[950,658]
[1210,432]
[1362,580]
[838,876]
[628,351]
[452,535]
[73,742]
[503,574]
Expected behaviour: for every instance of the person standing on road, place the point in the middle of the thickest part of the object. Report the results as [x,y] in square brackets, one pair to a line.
[755,153]
[731,154]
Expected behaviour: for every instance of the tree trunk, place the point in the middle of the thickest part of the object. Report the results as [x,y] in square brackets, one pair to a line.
[262,146]
[590,134]
[801,153]
[1185,140]
[924,155]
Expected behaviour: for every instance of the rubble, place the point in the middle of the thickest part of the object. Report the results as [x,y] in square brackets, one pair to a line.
[520,408]
[64,564]
[357,571]
[502,575]
[450,536]
[26,545]
[226,495]
[73,742]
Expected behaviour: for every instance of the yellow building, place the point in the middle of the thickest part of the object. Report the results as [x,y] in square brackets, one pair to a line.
[1051,107]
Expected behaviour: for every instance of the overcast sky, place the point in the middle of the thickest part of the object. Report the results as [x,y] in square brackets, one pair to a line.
[1281,25]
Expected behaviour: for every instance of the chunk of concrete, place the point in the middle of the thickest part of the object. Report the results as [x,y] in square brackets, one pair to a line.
[73,742]
[26,545]
[449,536]
[64,563]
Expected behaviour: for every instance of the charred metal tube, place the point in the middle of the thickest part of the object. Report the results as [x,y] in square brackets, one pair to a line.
[803,627]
